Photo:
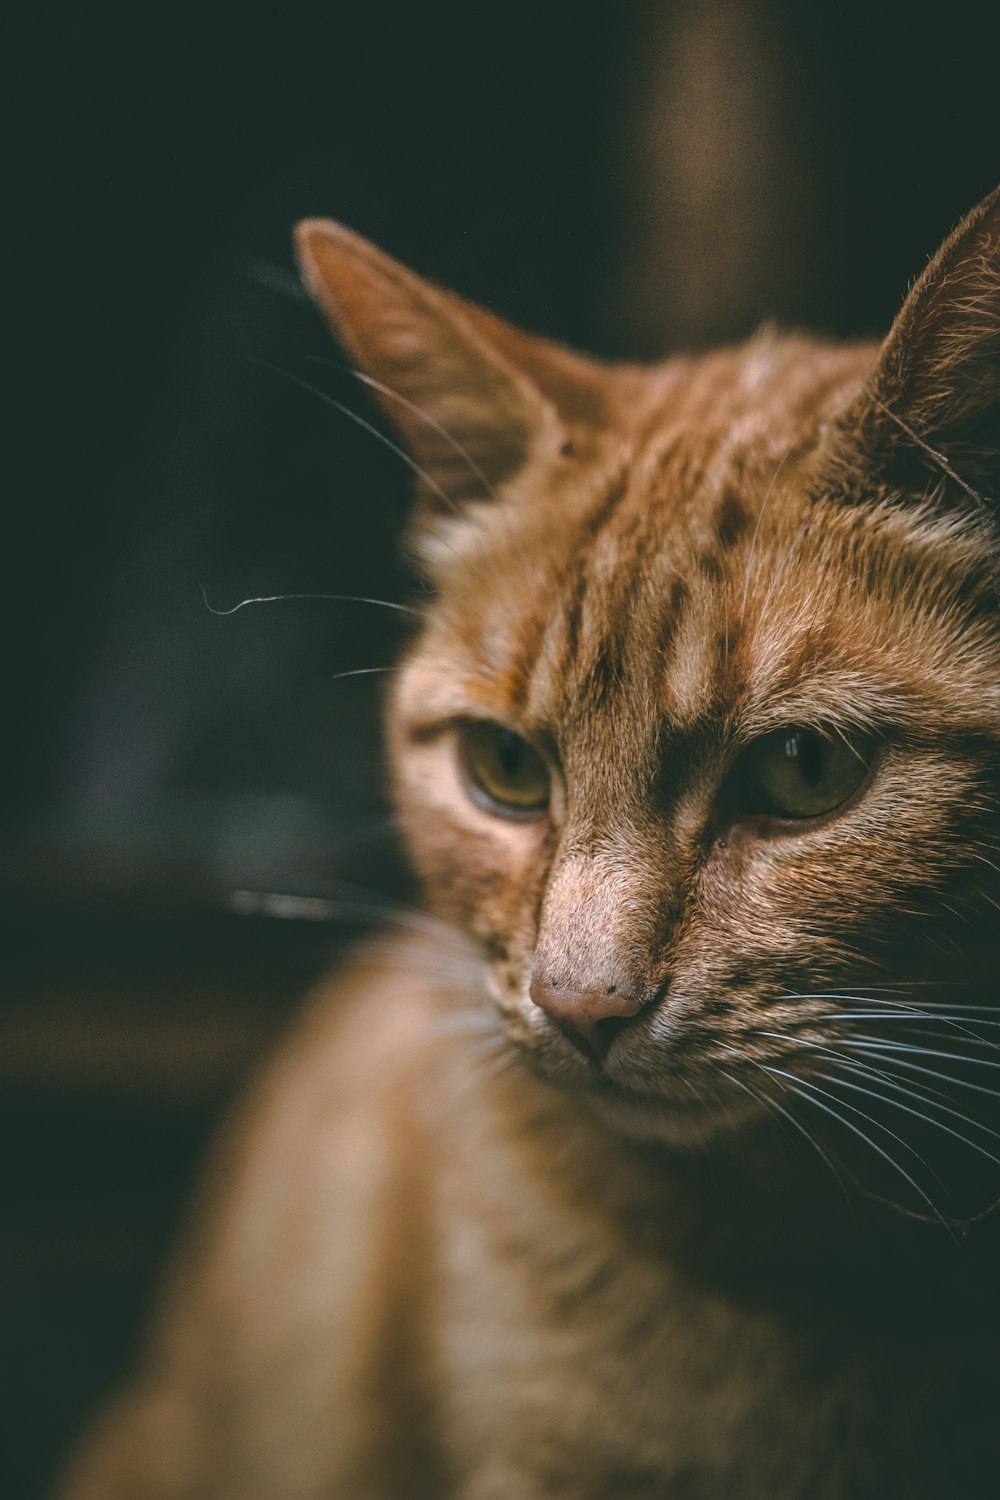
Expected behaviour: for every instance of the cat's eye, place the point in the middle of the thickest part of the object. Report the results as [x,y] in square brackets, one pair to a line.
[802,773]
[503,772]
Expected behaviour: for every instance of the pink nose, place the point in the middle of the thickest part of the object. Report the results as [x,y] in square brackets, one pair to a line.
[579,1013]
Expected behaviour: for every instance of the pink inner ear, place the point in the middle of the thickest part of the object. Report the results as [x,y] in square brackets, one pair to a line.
[469,415]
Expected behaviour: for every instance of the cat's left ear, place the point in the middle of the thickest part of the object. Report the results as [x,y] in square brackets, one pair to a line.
[932,404]
[475,400]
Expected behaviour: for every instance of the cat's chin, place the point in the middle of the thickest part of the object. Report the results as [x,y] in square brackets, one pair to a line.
[682,1124]
[681,1120]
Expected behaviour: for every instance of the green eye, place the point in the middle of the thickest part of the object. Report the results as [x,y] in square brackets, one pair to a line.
[504,773]
[800,773]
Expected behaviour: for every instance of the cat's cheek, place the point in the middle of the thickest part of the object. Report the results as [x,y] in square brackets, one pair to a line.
[730,857]
[752,922]
[481,872]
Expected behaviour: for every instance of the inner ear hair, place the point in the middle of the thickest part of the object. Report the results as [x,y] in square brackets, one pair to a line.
[932,402]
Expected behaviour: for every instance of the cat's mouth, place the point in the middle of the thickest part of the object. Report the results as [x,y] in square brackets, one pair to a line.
[595,1047]
[679,1110]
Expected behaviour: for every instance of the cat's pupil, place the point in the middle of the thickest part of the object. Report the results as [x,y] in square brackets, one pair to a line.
[806,752]
[510,753]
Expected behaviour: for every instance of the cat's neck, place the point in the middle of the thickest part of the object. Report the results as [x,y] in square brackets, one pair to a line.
[762,1217]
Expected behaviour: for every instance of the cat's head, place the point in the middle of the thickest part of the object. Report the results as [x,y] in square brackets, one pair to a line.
[699,735]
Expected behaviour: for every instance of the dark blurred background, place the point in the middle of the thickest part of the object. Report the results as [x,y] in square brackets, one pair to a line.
[191,811]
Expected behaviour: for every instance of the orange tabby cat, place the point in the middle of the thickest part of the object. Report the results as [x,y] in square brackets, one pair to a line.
[661,1160]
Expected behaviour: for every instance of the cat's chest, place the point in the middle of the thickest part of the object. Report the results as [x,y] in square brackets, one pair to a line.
[678,1396]
[575,1369]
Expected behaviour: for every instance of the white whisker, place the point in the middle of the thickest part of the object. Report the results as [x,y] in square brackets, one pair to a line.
[418,411]
[880,1044]
[361,672]
[403,609]
[932,1097]
[912,1067]
[938,458]
[772,1104]
[908,1109]
[808,1092]
[371,429]
[431,422]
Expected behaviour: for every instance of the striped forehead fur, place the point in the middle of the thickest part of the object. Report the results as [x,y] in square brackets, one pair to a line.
[667,555]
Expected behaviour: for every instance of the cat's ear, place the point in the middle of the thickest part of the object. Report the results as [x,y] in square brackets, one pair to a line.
[475,400]
[933,401]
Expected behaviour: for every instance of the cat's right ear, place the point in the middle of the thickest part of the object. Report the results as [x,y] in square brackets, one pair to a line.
[475,400]
[931,408]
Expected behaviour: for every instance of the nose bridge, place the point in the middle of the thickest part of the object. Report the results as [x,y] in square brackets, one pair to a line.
[599,923]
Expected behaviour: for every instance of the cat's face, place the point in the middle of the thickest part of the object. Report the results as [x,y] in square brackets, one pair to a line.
[699,737]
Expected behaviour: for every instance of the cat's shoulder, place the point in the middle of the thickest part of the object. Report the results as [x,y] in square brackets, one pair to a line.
[390,1012]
